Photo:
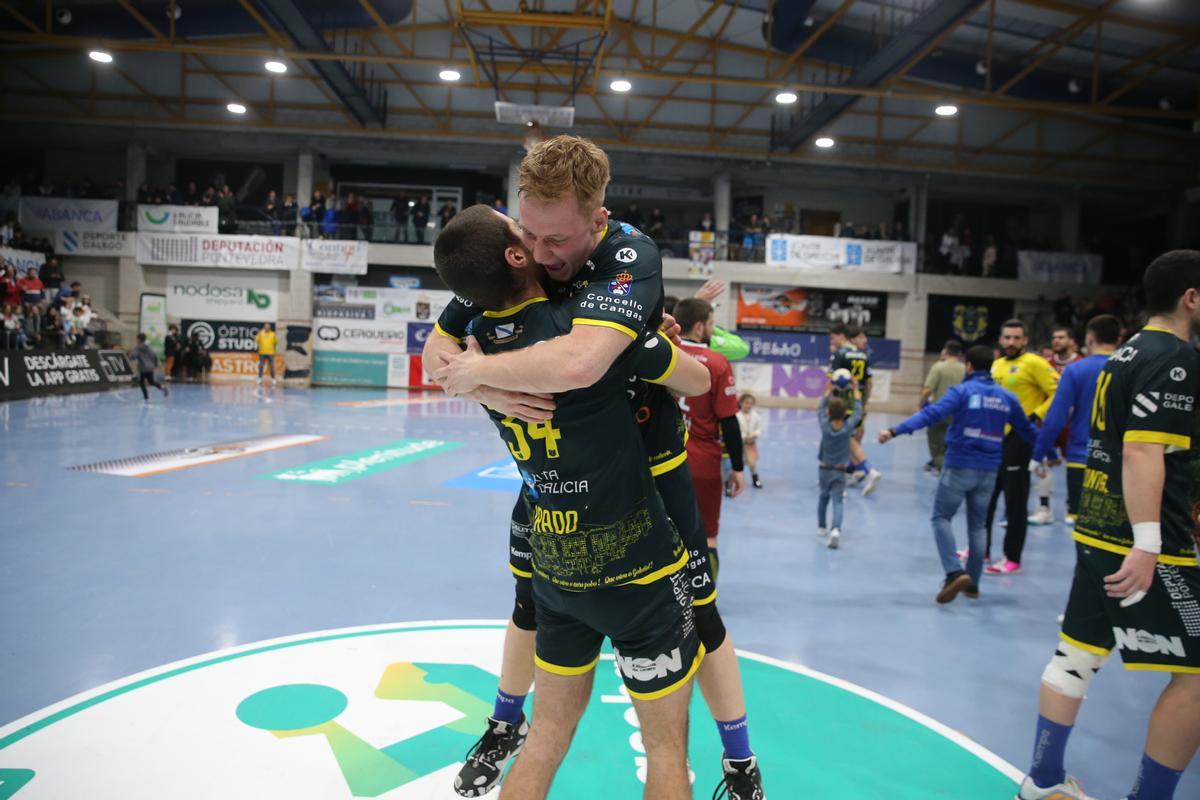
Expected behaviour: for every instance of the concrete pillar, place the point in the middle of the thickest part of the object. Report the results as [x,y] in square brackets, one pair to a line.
[135,169]
[304,178]
[514,199]
[1068,236]
[722,211]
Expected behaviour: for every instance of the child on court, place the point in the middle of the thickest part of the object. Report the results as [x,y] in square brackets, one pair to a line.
[752,426]
[836,432]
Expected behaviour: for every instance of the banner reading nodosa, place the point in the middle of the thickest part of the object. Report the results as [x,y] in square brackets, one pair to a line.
[826,252]
[343,257]
[809,310]
[196,250]
[177,219]
[204,294]
[95,243]
[37,373]
[67,213]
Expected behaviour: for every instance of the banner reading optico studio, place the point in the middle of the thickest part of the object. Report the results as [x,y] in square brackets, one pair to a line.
[970,320]
[827,252]
[177,219]
[67,213]
[818,310]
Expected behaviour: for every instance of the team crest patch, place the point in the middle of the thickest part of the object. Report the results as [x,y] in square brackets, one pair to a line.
[970,322]
[505,333]
[622,284]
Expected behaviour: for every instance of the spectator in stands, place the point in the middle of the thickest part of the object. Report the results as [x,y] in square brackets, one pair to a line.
[317,205]
[420,217]
[52,329]
[400,209]
[898,234]
[85,302]
[196,359]
[751,237]
[990,254]
[32,289]
[366,217]
[14,331]
[706,222]
[633,215]
[8,231]
[209,198]
[10,289]
[172,348]
[192,196]
[76,328]
[32,323]
[447,213]
[845,230]
[288,213]
[329,223]
[765,228]
[656,228]
[52,274]
[227,210]
[271,206]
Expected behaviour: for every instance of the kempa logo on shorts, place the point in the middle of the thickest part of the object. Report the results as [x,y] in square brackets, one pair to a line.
[645,669]
[1150,643]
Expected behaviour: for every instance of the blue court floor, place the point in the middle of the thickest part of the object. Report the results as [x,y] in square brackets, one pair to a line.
[103,576]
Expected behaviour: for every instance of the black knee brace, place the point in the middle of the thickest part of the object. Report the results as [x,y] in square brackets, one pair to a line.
[709,626]
[524,611]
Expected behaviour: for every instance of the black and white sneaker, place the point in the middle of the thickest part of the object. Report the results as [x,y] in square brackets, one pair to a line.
[742,780]
[486,761]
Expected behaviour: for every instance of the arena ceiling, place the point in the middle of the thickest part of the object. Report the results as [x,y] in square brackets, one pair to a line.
[1084,91]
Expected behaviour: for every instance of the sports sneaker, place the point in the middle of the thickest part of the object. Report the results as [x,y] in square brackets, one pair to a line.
[742,780]
[835,536]
[953,584]
[1069,789]
[1043,516]
[756,482]
[1004,567]
[871,482]
[1070,519]
[822,532]
[972,591]
[489,756]
[856,477]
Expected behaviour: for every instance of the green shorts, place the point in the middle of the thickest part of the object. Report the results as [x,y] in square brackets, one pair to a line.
[1161,632]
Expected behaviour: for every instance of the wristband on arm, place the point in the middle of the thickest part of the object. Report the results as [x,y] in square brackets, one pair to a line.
[1148,536]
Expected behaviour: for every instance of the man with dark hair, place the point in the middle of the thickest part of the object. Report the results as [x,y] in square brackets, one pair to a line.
[947,371]
[1072,406]
[711,420]
[981,411]
[1063,352]
[1033,381]
[845,355]
[146,361]
[1136,584]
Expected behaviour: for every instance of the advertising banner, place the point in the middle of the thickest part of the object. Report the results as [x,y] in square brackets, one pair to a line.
[177,219]
[95,243]
[798,380]
[340,469]
[144,466]
[970,320]
[827,252]
[202,294]
[1041,267]
[152,321]
[702,251]
[333,255]
[236,367]
[222,337]
[812,349]
[66,213]
[775,308]
[360,336]
[22,260]
[236,252]
[36,373]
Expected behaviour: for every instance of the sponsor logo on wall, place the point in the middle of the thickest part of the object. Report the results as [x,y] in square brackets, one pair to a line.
[775,308]
[95,243]
[22,260]
[51,372]
[201,250]
[66,213]
[177,219]
[222,337]
[199,294]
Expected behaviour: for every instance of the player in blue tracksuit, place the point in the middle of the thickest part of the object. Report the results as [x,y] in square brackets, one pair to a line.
[982,410]
[1073,402]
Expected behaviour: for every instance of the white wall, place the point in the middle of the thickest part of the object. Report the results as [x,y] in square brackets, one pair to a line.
[100,278]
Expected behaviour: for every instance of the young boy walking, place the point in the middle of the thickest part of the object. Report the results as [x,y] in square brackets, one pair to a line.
[836,432]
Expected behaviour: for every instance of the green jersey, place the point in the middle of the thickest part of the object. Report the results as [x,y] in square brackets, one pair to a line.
[596,517]
[1145,393]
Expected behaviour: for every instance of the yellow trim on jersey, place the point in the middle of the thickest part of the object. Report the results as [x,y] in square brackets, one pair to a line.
[1157,437]
[439,329]
[1159,668]
[705,601]
[1122,550]
[670,367]
[668,465]
[568,671]
[603,323]
[674,686]
[508,312]
[1084,646]
[1076,465]
[519,572]
[663,572]
[1160,330]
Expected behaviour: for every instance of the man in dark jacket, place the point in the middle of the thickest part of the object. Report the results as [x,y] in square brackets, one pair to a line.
[146,362]
[981,410]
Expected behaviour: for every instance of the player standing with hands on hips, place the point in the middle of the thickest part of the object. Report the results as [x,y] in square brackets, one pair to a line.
[1137,584]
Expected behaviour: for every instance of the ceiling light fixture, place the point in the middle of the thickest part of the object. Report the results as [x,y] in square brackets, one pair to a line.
[278,67]
[946,110]
[1073,86]
[450,75]
[980,68]
[620,85]
[100,56]
[785,98]
[236,108]
[825,142]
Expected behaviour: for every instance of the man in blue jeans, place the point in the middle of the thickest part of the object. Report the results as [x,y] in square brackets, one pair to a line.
[982,410]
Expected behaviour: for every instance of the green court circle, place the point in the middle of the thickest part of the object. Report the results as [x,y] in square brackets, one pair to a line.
[292,707]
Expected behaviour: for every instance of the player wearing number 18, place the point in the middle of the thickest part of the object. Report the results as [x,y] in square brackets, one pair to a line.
[1137,584]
